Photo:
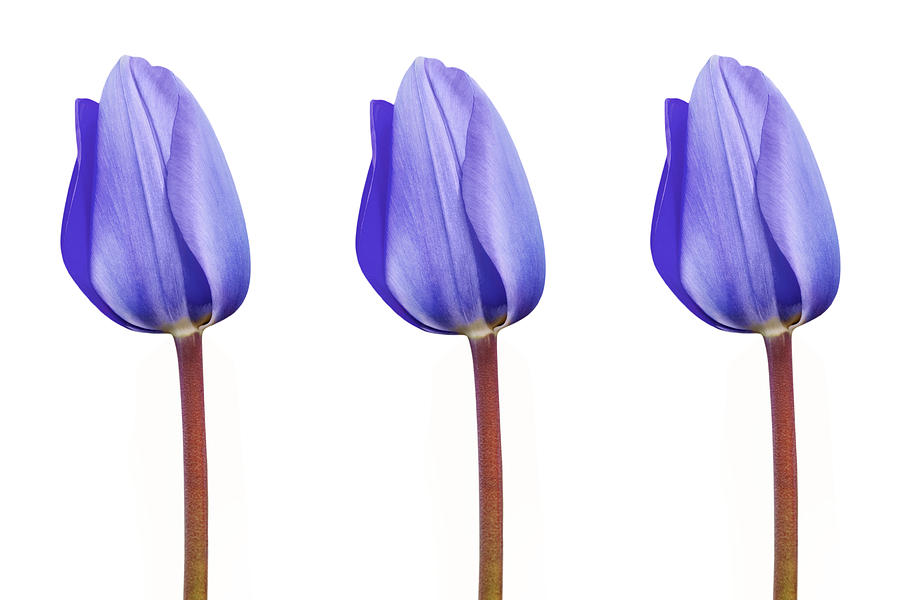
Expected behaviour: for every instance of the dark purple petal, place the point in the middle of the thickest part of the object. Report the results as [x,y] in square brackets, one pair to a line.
[665,233]
[370,228]
[75,239]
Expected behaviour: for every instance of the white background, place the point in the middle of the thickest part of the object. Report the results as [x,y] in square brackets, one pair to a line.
[341,439]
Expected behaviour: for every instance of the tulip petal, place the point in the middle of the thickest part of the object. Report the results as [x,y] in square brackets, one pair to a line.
[665,233]
[795,206]
[501,209]
[205,207]
[136,258]
[370,228]
[726,261]
[435,266]
[749,92]
[75,240]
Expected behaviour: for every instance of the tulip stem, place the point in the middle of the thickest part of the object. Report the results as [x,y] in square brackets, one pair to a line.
[196,507]
[490,470]
[784,450]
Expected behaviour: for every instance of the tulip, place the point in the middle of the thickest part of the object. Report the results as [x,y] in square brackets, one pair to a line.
[153,232]
[744,236]
[448,235]
[154,236]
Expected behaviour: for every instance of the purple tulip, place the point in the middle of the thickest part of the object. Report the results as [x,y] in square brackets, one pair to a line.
[742,231]
[154,236]
[448,233]
[153,232]
[743,235]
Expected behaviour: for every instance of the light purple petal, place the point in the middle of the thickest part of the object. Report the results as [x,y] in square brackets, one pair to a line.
[795,205]
[136,263]
[435,267]
[205,206]
[726,263]
[501,209]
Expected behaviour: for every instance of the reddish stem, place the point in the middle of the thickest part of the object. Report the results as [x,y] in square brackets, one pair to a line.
[490,470]
[196,509]
[784,446]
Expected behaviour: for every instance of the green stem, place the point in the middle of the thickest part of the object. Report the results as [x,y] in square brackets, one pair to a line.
[784,446]
[490,470]
[196,507]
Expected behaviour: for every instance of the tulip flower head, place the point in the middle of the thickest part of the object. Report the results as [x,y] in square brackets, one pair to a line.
[742,230]
[153,232]
[448,234]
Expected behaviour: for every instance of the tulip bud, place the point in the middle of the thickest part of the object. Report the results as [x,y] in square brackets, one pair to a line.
[742,230]
[153,232]
[448,234]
